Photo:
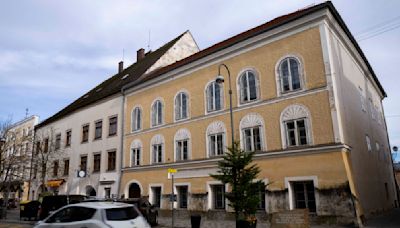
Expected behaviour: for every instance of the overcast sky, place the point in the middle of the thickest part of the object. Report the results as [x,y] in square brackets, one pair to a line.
[52,52]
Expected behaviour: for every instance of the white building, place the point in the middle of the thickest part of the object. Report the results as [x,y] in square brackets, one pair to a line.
[87,134]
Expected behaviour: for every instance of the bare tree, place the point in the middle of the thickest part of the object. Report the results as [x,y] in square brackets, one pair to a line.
[48,149]
[14,156]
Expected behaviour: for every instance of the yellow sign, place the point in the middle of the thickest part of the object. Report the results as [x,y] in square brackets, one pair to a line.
[172,170]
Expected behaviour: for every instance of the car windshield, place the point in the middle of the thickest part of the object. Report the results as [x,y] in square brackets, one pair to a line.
[119,214]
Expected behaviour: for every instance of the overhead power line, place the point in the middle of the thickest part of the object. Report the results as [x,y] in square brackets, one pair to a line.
[378,29]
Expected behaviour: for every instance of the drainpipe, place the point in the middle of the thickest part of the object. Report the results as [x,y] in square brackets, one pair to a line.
[121,141]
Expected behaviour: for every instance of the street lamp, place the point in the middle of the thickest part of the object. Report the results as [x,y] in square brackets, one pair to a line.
[219,80]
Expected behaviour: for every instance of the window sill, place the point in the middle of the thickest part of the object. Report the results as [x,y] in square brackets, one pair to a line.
[111,171]
[83,142]
[110,136]
[97,139]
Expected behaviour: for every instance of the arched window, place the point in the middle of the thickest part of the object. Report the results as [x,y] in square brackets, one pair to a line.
[248,86]
[252,131]
[216,138]
[136,119]
[182,145]
[295,122]
[214,96]
[181,106]
[157,149]
[136,152]
[157,113]
[290,74]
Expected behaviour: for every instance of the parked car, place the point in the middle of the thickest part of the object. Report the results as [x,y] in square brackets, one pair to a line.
[149,211]
[95,215]
[52,203]
[29,209]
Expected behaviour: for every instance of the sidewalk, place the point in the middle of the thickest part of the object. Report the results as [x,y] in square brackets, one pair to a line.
[13,218]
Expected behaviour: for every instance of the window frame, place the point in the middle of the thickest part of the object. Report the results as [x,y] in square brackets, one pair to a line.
[112,132]
[240,86]
[207,98]
[56,167]
[136,154]
[155,111]
[157,140]
[85,133]
[136,112]
[68,138]
[95,170]
[296,132]
[57,144]
[96,137]
[178,108]
[113,166]
[66,167]
[279,74]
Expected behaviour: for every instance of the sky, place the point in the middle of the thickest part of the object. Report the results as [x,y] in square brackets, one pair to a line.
[52,52]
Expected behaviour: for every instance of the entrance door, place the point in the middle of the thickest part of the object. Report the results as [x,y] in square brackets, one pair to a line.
[134,191]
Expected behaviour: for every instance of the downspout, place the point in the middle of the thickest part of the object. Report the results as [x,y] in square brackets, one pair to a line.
[121,142]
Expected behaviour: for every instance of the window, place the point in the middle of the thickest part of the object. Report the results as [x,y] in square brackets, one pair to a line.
[85,133]
[107,193]
[156,200]
[214,96]
[111,160]
[216,144]
[251,127]
[295,121]
[46,145]
[296,132]
[66,167]
[121,213]
[68,138]
[182,150]
[83,162]
[261,195]
[35,169]
[181,106]
[182,196]
[377,147]
[96,163]
[252,139]
[135,156]
[182,146]
[157,153]
[157,113]
[55,168]
[38,148]
[157,150]
[368,143]
[71,214]
[112,130]
[248,86]
[58,141]
[218,196]
[98,128]
[289,74]
[304,195]
[136,119]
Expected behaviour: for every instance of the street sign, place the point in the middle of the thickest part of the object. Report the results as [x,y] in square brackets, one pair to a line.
[172,170]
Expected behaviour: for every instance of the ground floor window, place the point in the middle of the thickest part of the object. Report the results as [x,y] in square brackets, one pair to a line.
[218,193]
[182,196]
[261,195]
[156,199]
[107,193]
[304,195]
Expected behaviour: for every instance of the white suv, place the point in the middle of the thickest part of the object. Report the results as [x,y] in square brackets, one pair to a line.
[95,215]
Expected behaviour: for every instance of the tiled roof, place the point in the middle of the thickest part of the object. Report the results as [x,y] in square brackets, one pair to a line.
[114,84]
[279,21]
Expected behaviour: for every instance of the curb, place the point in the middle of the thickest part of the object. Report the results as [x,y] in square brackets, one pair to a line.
[17,221]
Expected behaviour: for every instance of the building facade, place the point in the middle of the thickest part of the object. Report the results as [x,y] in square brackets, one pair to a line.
[16,154]
[303,94]
[78,149]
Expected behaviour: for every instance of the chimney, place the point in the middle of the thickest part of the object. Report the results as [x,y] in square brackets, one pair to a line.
[120,66]
[140,54]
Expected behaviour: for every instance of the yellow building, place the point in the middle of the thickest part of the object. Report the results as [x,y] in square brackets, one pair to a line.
[304,98]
